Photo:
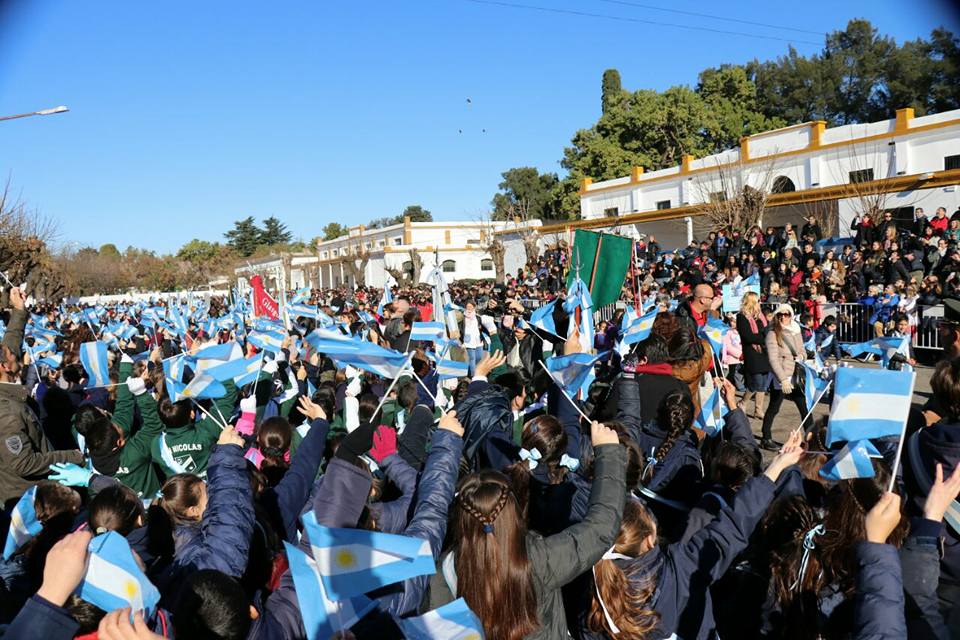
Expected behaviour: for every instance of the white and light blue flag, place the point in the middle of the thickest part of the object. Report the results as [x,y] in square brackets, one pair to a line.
[869,403]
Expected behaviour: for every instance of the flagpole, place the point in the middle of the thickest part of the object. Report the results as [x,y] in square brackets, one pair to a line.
[207,413]
[564,391]
[817,401]
[903,434]
[392,385]
[259,370]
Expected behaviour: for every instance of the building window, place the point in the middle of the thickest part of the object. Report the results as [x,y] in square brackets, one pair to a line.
[612,211]
[663,204]
[369,245]
[951,162]
[486,264]
[783,184]
[380,243]
[449,266]
[473,241]
[863,175]
[398,240]
[324,254]
[718,196]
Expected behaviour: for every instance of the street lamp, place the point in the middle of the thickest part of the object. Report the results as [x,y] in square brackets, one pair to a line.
[42,112]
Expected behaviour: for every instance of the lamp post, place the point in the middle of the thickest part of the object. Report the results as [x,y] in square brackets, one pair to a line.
[42,112]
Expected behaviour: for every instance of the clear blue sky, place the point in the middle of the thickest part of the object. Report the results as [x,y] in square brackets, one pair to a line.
[186,116]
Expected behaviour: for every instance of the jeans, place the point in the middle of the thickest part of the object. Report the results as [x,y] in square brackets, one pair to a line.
[474,356]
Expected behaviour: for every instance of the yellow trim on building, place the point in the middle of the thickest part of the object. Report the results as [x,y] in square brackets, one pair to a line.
[635,174]
[885,185]
[904,116]
[745,148]
[816,132]
[584,184]
[407,233]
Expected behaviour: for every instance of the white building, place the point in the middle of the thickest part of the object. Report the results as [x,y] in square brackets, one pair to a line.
[459,247]
[910,161]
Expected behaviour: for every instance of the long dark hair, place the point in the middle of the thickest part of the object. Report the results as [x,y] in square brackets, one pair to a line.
[845,523]
[785,529]
[491,561]
[674,416]
[545,435]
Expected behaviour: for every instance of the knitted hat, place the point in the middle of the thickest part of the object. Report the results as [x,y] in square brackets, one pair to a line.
[784,309]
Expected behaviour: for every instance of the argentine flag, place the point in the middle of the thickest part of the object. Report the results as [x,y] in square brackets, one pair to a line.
[454,621]
[578,296]
[814,385]
[714,330]
[869,403]
[573,371]
[385,299]
[852,461]
[113,579]
[203,386]
[322,617]
[639,330]
[378,360]
[93,356]
[542,318]
[352,562]
[267,340]
[447,369]
[710,418]
[301,310]
[428,331]
[24,524]
[54,360]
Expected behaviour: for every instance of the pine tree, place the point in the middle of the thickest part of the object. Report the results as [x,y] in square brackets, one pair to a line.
[244,237]
[274,232]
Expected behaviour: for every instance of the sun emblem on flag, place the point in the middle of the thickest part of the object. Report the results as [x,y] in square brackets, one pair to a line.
[346,559]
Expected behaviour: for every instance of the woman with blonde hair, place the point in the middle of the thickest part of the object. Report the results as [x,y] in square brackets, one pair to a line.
[785,350]
[752,325]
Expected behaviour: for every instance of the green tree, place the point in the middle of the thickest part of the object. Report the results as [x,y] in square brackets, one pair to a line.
[416,213]
[274,232]
[244,237]
[199,251]
[109,251]
[611,90]
[525,193]
[334,230]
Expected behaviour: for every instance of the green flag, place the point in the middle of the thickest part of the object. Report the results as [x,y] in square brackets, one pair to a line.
[603,260]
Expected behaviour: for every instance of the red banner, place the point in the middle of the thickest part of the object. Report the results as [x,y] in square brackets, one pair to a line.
[263,304]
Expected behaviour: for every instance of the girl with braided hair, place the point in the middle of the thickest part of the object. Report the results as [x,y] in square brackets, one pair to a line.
[644,590]
[674,469]
[511,577]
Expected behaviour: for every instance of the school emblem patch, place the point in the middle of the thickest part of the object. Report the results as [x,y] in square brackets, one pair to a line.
[14,445]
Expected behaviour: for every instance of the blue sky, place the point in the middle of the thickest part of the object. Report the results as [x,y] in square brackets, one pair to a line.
[187,116]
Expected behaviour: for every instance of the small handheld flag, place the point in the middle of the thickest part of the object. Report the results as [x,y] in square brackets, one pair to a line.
[852,461]
[710,418]
[572,371]
[869,403]
[454,621]
[113,579]
[352,562]
[639,329]
[93,356]
[23,523]
[322,617]
[714,330]
[428,331]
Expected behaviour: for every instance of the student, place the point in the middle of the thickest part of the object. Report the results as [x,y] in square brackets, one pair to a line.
[510,578]
[186,442]
[643,590]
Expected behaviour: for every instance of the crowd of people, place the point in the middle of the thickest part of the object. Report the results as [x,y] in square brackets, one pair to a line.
[550,514]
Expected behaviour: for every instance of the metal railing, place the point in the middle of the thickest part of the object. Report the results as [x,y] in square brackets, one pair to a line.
[853,320]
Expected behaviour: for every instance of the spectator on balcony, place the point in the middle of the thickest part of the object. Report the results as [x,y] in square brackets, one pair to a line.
[940,221]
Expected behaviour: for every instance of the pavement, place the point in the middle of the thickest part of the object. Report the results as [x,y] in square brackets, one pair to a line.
[788,418]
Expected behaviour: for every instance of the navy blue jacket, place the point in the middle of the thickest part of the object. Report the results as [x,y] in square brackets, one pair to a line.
[938,443]
[340,503]
[684,571]
[391,517]
[285,501]
[920,562]
[878,604]
[221,540]
[429,521]
[41,620]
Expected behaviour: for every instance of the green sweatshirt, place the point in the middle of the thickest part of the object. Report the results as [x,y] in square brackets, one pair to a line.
[136,460]
[187,449]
